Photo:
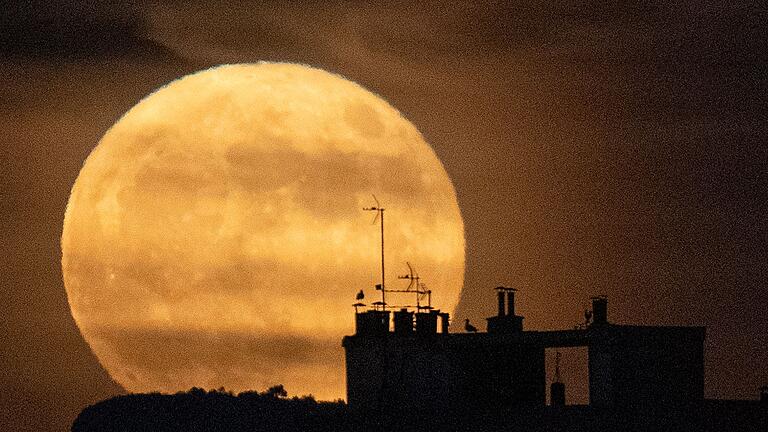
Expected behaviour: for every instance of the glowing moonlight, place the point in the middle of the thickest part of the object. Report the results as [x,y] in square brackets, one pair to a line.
[215,235]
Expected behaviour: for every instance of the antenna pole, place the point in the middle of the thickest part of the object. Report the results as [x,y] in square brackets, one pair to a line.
[380,213]
[383,287]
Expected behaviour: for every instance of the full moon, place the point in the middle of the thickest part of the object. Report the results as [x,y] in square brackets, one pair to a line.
[215,236]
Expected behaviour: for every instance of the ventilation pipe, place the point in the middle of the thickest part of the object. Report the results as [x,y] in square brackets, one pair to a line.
[500,294]
[444,321]
[557,394]
[511,302]
[599,310]
[557,389]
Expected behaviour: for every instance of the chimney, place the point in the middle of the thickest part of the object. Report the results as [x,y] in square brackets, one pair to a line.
[426,323]
[403,322]
[500,293]
[511,302]
[444,321]
[599,310]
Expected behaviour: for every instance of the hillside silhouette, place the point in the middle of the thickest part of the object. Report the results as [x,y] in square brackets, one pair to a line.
[272,410]
[214,410]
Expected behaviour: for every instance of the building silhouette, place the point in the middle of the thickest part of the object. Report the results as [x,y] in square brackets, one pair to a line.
[399,366]
[407,372]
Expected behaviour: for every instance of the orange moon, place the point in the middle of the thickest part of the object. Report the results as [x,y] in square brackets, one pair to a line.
[215,236]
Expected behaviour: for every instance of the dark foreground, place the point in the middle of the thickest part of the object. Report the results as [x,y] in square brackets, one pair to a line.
[216,410]
[198,410]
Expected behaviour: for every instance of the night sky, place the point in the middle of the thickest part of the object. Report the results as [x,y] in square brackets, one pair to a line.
[613,148]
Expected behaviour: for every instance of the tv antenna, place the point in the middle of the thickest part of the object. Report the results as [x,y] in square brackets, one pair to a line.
[416,286]
[380,217]
[412,276]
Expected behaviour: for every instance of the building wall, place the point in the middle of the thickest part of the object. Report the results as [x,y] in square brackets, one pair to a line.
[427,375]
[392,373]
[632,365]
[456,372]
[490,373]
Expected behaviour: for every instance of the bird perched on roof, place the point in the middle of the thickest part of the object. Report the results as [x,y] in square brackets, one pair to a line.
[469,328]
[360,295]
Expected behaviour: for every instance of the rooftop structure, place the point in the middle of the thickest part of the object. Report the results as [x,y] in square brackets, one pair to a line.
[407,362]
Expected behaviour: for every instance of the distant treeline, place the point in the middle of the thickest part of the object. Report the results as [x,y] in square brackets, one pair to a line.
[272,410]
[214,410]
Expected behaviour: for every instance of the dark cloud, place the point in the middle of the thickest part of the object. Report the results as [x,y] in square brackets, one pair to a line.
[52,113]
[66,30]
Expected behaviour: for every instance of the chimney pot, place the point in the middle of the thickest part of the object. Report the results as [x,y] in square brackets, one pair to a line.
[511,303]
[500,294]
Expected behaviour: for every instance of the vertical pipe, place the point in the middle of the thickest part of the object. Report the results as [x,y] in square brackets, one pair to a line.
[501,302]
[557,394]
[599,310]
[511,303]
[444,318]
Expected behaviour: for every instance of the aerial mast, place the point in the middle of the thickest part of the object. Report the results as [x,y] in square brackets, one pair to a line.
[416,286]
[380,216]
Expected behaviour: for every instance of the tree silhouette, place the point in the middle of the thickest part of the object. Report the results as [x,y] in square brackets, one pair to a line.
[277,391]
[198,410]
[214,410]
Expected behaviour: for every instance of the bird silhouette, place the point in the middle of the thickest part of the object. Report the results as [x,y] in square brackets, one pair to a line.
[360,295]
[469,328]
